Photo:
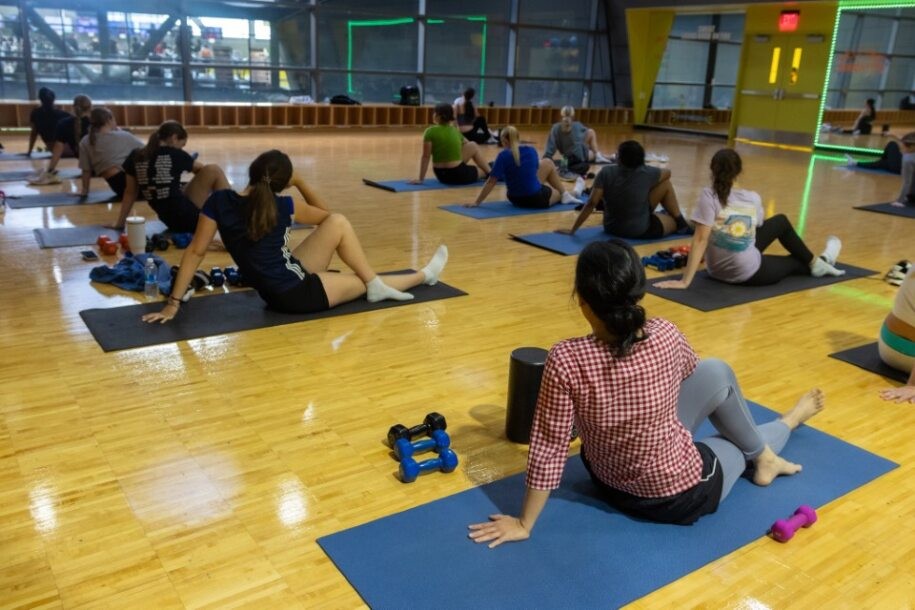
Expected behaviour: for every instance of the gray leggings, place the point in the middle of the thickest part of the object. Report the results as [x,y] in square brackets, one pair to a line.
[712,392]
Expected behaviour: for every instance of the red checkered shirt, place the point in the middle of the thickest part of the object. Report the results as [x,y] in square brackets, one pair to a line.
[625,410]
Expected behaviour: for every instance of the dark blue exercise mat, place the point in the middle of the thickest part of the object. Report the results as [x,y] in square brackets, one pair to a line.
[121,328]
[885,208]
[500,209]
[583,553]
[85,235]
[402,186]
[50,200]
[706,294]
[24,174]
[872,170]
[561,243]
[868,358]
[8,156]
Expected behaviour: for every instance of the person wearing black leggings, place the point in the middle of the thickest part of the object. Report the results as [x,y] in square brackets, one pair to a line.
[733,236]
[891,158]
[472,125]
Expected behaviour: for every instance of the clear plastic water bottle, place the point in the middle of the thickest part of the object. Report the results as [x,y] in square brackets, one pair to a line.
[150,273]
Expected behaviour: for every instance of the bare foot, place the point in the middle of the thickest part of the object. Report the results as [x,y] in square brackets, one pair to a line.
[769,465]
[807,406]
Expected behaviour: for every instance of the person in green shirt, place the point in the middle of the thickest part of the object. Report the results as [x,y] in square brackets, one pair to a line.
[449,152]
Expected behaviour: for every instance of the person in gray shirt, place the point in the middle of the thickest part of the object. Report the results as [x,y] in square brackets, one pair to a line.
[630,192]
[104,151]
[574,141]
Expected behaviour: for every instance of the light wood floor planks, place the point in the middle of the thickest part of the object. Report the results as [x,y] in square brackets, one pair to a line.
[199,474]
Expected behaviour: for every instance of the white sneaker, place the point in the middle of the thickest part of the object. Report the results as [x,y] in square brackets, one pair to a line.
[599,158]
[850,161]
[45,178]
[579,187]
[568,197]
[831,251]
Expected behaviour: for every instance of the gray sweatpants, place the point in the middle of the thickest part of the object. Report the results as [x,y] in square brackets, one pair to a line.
[712,392]
[907,194]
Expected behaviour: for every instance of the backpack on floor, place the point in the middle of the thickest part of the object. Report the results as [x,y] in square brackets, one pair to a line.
[344,100]
[409,95]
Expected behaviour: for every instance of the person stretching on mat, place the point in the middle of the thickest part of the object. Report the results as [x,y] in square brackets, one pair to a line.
[69,131]
[104,151]
[43,120]
[574,141]
[449,152]
[897,340]
[891,158]
[254,227]
[154,172]
[470,122]
[637,392]
[629,193]
[529,181]
[733,237]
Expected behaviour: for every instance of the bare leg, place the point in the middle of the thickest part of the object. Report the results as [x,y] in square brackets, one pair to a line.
[470,151]
[591,143]
[548,175]
[210,178]
[664,193]
[56,153]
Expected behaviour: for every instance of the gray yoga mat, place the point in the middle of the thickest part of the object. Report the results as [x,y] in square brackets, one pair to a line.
[886,208]
[706,294]
[868,358]
[84,236]
[51,200]
[121,327]
[7,156]
[24,174]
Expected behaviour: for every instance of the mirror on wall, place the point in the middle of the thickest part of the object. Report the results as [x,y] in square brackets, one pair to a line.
[695,86]
[870,89]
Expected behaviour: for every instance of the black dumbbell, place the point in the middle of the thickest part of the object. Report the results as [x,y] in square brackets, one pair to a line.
[433,421]
[447,461]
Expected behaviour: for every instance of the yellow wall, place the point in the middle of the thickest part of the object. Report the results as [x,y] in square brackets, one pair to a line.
[648,30]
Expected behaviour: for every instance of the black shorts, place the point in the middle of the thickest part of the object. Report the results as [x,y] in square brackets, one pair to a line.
[655,230]
[537,200]
[307,297]
[179,214]
[118,184]
[461,174]
[683,508]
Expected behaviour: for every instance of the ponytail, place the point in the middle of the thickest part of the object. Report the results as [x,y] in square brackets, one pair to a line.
[98,118]
[726,166]
[165,131]
[269,174]
[511,137]
[469,111]
[81,107]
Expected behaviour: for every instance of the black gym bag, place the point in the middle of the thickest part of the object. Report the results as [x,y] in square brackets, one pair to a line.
[344,100]
[409,95]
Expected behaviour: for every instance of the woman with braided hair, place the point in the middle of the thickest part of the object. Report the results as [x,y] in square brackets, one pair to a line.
[637,392]
[254,226]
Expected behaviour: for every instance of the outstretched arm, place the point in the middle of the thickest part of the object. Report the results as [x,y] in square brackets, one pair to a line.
[505,528]
[484,192]
[127,201]
[696,252]
[596,195]
[424,162]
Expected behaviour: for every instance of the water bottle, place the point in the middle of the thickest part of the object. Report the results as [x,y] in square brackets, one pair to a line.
[564,165]
[150,273]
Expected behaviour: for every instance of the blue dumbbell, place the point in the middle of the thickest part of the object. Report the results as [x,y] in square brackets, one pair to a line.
[657,262]
[182,240]
[217,278]
[404,449]
[233,276]
[447,461]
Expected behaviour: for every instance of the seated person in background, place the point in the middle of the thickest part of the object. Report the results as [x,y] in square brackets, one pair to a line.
[44,119]
[732,236]
[470,122]
[891,158]
[637,392]
[530,182]
[254,225]
[864,124]
[449,152]
[104,151]
[630,192]
[574,141]
[154,173]
[897,340]
[67,135]
[907,192]
[908,102]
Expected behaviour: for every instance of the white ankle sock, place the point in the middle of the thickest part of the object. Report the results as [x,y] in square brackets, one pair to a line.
[435,265]
[579,187]
[377,290]
[568,197]
[820,267]
[831,251]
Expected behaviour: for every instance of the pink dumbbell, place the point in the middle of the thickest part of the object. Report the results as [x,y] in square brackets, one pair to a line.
[783,529]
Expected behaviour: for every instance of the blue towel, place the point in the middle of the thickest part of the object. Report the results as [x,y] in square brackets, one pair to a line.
[129,273]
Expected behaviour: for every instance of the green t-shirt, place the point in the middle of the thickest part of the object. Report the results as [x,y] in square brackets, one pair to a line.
[446,143]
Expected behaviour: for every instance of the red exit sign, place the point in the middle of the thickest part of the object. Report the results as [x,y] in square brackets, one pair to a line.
[788,21]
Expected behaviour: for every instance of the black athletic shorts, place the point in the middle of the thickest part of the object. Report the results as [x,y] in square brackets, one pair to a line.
[307,297]
[118,183]
[655,230]
[179,214]
[460,174]
[537,200]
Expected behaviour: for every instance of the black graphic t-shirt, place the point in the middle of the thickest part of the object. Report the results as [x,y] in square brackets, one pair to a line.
[159,178]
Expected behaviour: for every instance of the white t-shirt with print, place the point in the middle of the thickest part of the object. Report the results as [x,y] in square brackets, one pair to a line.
[731,255]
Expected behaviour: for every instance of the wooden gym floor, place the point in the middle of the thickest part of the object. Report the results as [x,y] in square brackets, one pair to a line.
[200,473]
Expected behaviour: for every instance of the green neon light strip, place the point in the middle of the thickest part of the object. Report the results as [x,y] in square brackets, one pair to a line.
[805,198]
[845,5]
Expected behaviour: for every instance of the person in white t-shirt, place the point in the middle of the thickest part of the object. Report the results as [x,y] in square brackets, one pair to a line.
[733,237]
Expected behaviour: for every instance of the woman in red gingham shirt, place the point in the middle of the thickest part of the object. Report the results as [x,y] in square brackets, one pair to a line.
[636,391]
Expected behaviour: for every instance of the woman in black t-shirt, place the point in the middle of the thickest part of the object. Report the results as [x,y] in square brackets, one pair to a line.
[67,135]
[44,119]
[154,174]
[254,226]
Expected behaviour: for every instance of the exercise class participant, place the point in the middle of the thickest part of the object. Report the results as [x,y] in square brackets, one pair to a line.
[636,392]
[530,182]
[254,226]
[154,173]
[449,152]
[897,340]
[733,237]
[629,193]
[44,119]
[574,141]
[470,122]
[891,158]
[864,124]
[104,151]
[67,135]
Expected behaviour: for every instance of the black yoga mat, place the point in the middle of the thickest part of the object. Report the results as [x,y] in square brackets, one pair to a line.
[50,200]
[885,208]
[7,156]
[25,174]
[121,327]
[84,236]
[867,358]
[706,294]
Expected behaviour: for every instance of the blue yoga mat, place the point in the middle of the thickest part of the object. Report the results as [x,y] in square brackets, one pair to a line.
[500,209]
[573,244]
[402,186]
[885,208]
[583,554]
